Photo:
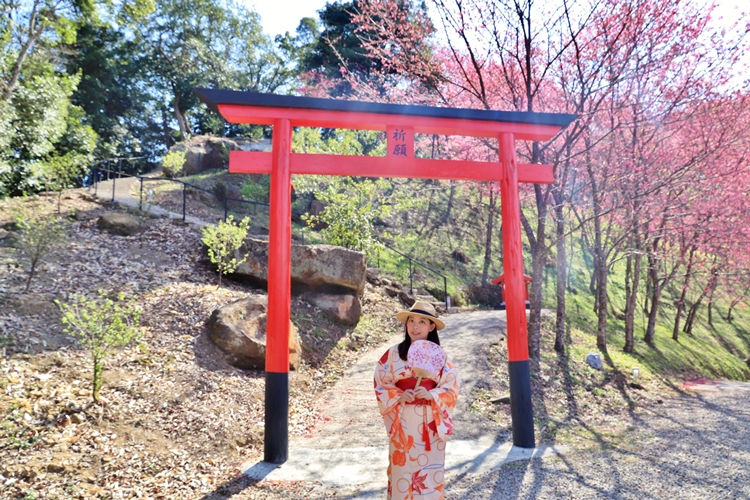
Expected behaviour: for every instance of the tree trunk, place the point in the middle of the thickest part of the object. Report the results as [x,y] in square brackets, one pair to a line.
[691,317]
[600,266]
[35,31]
[632,279]
[181,120]
[447,215]
[538,258]
[730,318]
[678,316]
[712,288]
[681,302]
[168,140]
[488,239]
[601,295]
[653,274]
[562,278]
[427,213]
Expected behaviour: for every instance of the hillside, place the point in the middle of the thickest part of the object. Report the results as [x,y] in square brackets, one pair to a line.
[177,422]
[443,226]
[175,419]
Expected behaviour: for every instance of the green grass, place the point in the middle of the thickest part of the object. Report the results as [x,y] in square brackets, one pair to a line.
[717,351]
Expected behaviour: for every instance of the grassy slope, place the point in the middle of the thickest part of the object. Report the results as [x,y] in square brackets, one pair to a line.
[717,351]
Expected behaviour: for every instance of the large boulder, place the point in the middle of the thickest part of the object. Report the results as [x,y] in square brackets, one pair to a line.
[322,267]
[345,309]
[239,329]
[203,153]
[119,223]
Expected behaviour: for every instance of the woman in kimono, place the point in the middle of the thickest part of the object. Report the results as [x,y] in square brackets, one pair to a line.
[417,419]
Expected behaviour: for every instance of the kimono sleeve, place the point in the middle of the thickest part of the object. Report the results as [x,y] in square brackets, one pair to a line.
[444,398]
[386,391]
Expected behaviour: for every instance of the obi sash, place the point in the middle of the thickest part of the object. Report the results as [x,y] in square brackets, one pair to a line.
[410,383]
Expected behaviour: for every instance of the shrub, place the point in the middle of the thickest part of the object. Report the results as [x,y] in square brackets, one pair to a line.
[38,235]
[222,241]
[349,214]
[173,163]
[100,324]
[257,189]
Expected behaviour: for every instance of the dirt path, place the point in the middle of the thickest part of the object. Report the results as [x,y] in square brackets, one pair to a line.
[349,416]
[348,446]
[120,191]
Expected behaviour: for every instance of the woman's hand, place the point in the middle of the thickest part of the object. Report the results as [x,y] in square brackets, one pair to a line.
[407,396]
[422,393]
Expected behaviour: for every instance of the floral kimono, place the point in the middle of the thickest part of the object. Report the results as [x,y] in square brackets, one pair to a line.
[417,430]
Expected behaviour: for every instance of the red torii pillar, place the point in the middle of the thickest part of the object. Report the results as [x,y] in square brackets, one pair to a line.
[400,122]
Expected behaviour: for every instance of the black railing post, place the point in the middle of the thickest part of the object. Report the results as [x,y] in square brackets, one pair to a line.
[184,201]
[140,197]
[114,182]
[411,286]
[96,180]
[226,208]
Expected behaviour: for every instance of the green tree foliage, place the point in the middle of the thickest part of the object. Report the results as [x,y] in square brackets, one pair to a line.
[207,43]
[339,142]
[24,24]
[39,235]
[351,210]
[340,48]
[354,204]
[111,92]
[223,240]
[257,188]
[121,74]
[44,137]
[297,49]
[100,324]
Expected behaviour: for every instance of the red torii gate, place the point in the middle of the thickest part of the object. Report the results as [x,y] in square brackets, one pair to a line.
[400,122]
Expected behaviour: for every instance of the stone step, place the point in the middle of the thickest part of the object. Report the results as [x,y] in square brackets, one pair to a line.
[425,298]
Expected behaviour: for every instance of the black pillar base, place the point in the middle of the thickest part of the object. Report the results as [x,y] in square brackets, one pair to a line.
[521,411]
[276,438]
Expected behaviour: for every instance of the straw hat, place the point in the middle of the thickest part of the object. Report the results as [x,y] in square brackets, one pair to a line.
[423,309]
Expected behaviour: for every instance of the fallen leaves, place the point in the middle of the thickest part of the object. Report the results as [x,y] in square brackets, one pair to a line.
[178,420]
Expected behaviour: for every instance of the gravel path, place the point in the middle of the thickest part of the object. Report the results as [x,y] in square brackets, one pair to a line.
[693,447]
[121,191]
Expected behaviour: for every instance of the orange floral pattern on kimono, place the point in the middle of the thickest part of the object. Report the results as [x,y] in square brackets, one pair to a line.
[416,469]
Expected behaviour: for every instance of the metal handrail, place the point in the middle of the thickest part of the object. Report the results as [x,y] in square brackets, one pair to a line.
[413,261]
[185,185]
[94,170]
